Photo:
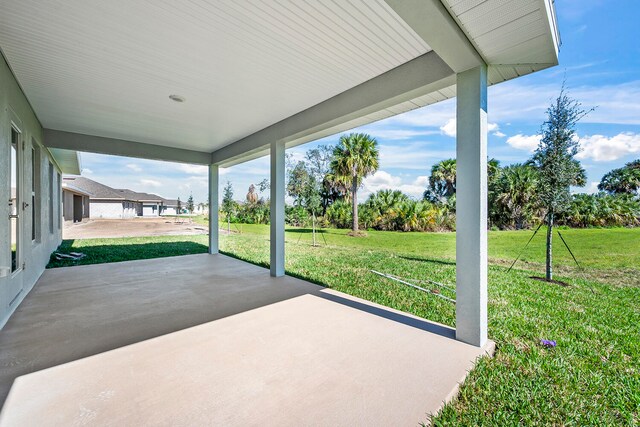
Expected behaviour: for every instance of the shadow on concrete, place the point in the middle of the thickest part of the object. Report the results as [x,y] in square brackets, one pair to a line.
[424,325]
[421,324]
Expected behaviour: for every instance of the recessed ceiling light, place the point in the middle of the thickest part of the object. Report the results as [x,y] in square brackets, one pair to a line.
[177,98]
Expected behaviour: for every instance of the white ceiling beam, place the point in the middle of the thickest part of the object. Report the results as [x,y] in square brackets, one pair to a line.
[119,147]
[433,23]
[410,80]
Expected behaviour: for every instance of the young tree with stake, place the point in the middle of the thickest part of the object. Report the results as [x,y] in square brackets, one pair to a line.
[228,204]
[190,204]
[555,160]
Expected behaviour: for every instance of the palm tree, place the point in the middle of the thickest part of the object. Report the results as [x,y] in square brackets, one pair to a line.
[442,181]
[354,158]
[515,197]
[624,180]
[382,208]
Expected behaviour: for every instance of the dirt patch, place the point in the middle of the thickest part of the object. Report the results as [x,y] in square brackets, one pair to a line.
[134,227]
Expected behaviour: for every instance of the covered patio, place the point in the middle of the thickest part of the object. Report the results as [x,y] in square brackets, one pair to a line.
[211,340]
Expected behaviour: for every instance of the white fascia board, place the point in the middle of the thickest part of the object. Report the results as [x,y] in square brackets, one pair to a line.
[552,22]
[433,23]
[410,80]
[67,160]
[56,139]
[72,189]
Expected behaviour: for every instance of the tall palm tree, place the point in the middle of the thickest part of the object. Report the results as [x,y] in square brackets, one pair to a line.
[442,181]
[354,158]
[516,194]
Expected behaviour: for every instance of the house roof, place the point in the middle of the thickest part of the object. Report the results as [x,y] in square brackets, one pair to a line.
[99,191]
[137,196]
[254,72]
[95,189]
[66,186]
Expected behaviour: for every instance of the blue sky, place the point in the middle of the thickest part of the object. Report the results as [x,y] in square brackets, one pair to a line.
[599,57]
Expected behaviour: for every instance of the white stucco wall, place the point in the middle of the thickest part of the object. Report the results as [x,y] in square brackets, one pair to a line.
[148,210]
[108,210]
[168,211]
[14,108]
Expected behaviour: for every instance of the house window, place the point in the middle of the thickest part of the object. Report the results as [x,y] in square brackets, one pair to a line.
[51,185]
[59,199]
[35,193]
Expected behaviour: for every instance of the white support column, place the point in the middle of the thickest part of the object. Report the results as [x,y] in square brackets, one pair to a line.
[277,209]
[213,209]
[471,207]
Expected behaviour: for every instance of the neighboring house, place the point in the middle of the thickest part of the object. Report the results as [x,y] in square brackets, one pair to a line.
[146,204]
[104,201]
[170,207]
[114,203]
[75,203]
[201,209]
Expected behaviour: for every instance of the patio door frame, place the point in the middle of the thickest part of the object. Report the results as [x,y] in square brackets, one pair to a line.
[15,281]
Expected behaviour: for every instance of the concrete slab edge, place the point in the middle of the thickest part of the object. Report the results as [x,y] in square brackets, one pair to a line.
[488,350]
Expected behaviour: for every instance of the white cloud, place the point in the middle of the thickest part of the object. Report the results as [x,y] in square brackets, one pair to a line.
[449,128]
[415,191]
[422,181]
[86,171]
[382,180]
[524,142]
[134,167]
[597,147]
[499,134]
[150,183]
[591,188]
[603,149]
[193,169]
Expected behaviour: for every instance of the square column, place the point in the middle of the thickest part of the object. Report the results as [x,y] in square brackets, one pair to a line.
[213,209]
[277,209]
[471,207]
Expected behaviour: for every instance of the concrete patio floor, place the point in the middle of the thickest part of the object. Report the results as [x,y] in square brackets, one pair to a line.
[210,340]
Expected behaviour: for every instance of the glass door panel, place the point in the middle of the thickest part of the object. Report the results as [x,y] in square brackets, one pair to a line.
[14,201]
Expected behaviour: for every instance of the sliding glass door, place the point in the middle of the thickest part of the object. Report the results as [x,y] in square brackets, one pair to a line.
[14,201]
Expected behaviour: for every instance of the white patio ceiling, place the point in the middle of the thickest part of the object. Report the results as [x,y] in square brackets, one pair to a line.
[107,68]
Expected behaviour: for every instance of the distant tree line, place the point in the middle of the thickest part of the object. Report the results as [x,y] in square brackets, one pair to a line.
[324,185]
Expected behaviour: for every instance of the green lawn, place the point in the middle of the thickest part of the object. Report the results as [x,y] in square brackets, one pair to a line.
[591,378]
[99,251]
